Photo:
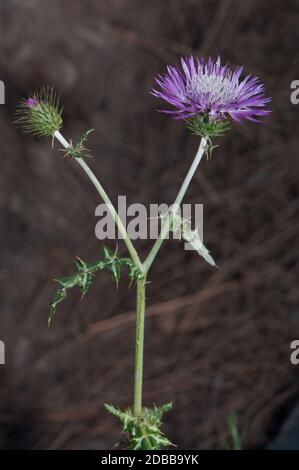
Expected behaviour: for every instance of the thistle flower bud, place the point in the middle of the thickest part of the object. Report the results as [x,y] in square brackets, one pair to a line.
[40,113]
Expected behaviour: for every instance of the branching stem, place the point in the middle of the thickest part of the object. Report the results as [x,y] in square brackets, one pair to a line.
[143,267]
[107,201]
[167,225]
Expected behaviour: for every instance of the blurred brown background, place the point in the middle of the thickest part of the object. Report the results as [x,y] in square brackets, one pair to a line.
[217,341]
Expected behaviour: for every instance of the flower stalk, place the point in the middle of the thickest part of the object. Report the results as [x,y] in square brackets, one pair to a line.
[107,201]
[141,282]
[178,200]
[139,345]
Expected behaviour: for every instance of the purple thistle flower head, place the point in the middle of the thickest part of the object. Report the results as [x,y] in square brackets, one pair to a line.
[211,91]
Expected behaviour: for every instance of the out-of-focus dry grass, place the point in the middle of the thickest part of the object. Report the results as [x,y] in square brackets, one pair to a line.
[216,340]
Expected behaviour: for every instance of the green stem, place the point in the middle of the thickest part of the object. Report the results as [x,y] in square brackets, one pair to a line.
[139,345]
[144,268]
[107,201]
[167,225]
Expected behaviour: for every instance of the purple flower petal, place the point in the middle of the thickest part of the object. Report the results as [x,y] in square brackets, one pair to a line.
[31,102]
[196,87]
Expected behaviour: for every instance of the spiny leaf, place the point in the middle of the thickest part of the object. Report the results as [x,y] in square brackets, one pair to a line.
[85,271]
[59,297]
[191,236]
[159,411]
[143,432]
[78,150]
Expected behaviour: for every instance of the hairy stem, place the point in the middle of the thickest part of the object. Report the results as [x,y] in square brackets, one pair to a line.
[167,225]
[139,345]
[107,201]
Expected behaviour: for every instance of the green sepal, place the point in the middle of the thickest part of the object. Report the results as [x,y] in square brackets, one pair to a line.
[143,432]
[203,126]
[85,271]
